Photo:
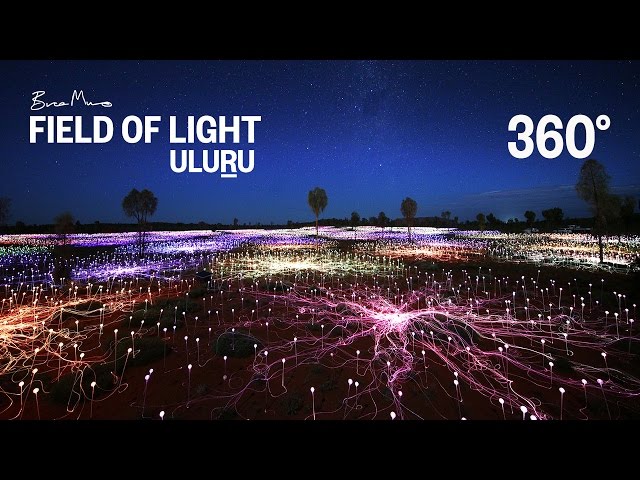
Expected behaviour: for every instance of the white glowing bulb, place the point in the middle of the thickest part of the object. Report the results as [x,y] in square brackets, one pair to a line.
[313,389]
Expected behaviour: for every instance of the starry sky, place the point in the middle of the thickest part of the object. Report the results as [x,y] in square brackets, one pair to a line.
[370,132]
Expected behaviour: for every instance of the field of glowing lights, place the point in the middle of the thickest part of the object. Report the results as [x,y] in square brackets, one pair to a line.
[354,325]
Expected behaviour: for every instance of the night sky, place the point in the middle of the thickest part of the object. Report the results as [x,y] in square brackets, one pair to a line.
[369,132]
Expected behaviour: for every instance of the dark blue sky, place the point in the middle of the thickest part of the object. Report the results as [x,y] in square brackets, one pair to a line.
[369,132]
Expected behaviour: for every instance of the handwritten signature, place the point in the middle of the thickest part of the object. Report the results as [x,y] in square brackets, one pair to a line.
[76,96]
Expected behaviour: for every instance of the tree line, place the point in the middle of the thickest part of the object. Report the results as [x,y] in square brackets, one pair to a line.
[139,205]
[612,214]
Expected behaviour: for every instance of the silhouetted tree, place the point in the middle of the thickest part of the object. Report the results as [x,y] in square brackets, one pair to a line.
[140,205]
[63,225]
[593,188]
[382,220]
[531,217]
[317,199]
[409,208]
[235,222]
[553,217]
[446,215]
[5,206]
[493,221]
[480,218]
[355,220]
